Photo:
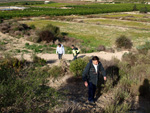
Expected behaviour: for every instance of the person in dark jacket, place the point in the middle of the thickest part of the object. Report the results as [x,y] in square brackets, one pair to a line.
[91,74]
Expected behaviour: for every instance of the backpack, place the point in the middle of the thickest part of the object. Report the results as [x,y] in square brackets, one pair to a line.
[77,50]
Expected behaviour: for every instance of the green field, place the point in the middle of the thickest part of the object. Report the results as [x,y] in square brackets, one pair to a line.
[53,9]
[104,33]
[108,22]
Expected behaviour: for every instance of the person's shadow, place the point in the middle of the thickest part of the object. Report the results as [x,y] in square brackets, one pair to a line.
[113,73]
[144,97]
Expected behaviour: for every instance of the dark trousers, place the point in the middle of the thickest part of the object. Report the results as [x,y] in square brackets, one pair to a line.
[59,56]
[75,57]
[91,91]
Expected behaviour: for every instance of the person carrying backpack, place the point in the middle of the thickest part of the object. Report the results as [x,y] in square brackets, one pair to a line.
[60,51]
[92,73]
[75,52]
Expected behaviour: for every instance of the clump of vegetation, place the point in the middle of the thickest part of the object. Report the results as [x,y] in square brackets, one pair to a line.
[124,42]
[37,60]
[135,7]
[24,90]
[144,48]
[144,10]
[46,35]
[56,71]
[49,33]
[12,63]
[54,29]
[32,26]
[15,29]
[133,71]
[118,105]
[40,48]
[77,66]
[101,48]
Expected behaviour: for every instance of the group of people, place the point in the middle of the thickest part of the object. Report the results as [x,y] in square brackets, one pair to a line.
[92,73]
[61,51]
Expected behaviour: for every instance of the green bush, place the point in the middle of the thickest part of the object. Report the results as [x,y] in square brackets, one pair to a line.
[38,61]
[26,92]
[124,42]
[56,71]
[77,66]
[143,10]
[32,26]
[11,63]
[135,8]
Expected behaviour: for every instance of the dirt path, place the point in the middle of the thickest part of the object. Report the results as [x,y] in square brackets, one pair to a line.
[52,59]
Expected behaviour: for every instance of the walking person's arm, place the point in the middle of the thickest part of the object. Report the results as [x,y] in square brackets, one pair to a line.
[85,74]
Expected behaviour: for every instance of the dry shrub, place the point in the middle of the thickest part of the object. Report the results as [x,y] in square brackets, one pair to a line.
[53,29]
[46,35]
[101,48]
[118,105]
[111,50]
[71,107]
[124,42]
[68,41]
[130,58]
[14,28]
[56,71]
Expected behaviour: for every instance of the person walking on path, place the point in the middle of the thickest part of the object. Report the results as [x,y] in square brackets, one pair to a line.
[75,52]
[60,51]
[91,74]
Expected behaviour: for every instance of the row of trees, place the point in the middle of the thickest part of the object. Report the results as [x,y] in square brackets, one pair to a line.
[80,10]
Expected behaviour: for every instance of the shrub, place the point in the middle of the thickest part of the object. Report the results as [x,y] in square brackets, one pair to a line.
[118,105]
[143,49]
[130,58]
[46,35]
[27,92]
[56,71]
[39,61]
[101,48]
[143,10]
[123,42]
[1,21]
[135,8]
[53,29]
[11,63]
[32,26]
[77,66]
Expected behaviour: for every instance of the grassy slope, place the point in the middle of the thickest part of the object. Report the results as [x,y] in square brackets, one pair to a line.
[94,35]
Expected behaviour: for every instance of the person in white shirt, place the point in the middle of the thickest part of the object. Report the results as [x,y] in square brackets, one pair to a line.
[60,51]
